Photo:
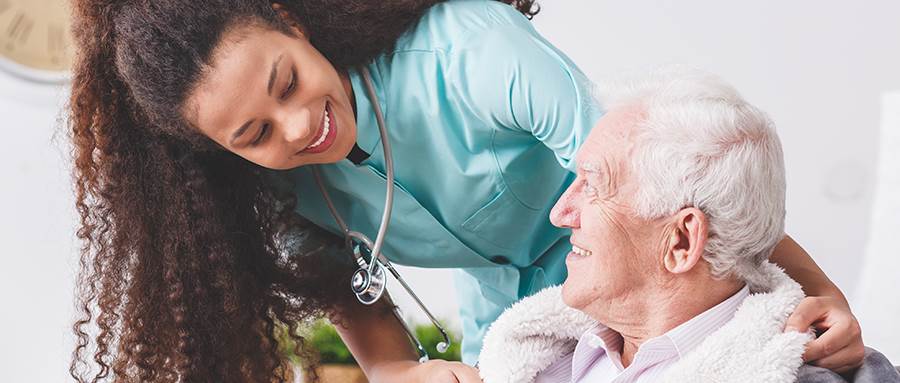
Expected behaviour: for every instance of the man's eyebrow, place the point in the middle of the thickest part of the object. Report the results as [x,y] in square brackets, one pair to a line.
[237,133]
[590,167]
[273,74]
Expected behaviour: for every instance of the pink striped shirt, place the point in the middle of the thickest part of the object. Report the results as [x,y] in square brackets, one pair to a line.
[597,357]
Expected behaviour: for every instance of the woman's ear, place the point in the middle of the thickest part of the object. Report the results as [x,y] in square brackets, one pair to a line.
[687,240]
[289,18]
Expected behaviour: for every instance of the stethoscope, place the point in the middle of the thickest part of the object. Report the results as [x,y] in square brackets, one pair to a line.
[369,281]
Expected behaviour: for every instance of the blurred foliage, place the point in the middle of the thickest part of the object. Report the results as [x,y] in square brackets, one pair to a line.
[430,337]
[324,339]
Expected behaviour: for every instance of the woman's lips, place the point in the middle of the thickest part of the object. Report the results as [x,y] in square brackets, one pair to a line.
[326,134]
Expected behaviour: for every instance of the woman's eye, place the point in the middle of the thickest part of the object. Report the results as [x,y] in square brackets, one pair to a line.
[291,85]
[262,133]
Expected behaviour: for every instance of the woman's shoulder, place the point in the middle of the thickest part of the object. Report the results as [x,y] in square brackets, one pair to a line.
[454,24]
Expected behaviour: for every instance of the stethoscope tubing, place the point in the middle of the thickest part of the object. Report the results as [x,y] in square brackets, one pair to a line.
[388,165]
[376,257]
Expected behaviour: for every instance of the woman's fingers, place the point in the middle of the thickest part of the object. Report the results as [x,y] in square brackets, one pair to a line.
[838,354]
[810,310]
[442,376]
[441,371]
[839,348]
[834,363]
[466,374]
[839,342]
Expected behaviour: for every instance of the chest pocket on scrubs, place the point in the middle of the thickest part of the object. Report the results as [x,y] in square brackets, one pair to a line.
[509,225]
[506,223]
[416,238]
[498,282]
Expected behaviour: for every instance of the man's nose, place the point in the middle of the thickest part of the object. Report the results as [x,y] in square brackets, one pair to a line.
[566,213]
[297,126]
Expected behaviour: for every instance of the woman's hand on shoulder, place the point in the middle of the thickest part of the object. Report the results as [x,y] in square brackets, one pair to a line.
[840,346]
[442,371]
[432,371]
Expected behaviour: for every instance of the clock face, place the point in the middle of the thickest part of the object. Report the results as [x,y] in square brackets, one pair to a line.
[34,39]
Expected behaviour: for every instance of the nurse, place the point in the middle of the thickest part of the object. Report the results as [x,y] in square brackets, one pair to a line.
[180,107]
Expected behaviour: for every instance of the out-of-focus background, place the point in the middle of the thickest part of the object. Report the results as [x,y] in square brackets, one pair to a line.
[828,72]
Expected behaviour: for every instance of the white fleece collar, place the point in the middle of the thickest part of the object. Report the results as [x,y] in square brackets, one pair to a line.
[751,347]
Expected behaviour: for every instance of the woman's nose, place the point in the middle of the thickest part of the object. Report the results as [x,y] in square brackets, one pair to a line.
[297,126]
[565,213]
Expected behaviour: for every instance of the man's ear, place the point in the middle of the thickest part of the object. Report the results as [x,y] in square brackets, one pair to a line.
[687,240]
[288,18]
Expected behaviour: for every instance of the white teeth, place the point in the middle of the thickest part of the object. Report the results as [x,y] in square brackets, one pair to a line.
[324,131]
[580,251]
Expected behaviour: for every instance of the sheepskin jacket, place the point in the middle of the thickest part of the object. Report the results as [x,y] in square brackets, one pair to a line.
[752,347]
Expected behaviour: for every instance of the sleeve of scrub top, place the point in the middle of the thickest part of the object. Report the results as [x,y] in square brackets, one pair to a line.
[513,78]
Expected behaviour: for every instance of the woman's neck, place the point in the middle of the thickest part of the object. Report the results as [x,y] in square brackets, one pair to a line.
[348,87]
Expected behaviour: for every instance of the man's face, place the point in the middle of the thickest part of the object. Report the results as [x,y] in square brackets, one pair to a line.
[614,252]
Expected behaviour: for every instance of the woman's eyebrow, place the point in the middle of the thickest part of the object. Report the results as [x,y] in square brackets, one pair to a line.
[237,133]
[273,74]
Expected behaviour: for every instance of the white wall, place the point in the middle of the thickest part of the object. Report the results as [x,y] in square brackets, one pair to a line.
[818,67]
[877,305]
[37,236]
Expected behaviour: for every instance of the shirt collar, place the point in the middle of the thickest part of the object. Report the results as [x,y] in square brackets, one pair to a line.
[688,335]
[594,343]
[677,342]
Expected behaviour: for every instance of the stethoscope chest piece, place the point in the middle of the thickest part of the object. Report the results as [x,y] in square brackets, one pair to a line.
[367,283]
[368,286]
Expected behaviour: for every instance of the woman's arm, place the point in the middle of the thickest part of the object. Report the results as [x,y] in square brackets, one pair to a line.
[800,266]
[839,347]
[379,343]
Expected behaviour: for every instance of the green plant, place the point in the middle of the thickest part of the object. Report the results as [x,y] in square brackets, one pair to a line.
[430,337]
[325,340]
[322,337]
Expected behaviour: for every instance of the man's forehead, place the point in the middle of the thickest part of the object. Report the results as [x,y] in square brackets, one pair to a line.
[590,155]
[615,128]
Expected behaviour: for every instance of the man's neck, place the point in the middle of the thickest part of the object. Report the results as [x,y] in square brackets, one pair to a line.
[646,315]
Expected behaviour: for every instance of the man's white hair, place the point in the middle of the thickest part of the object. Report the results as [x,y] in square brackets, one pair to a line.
[701,144]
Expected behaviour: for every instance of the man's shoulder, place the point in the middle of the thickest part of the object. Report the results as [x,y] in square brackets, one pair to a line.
[530,336]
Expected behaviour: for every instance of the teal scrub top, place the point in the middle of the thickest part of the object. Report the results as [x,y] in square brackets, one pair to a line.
[484,118]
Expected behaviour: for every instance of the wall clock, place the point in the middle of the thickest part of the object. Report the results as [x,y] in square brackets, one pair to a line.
[35,42]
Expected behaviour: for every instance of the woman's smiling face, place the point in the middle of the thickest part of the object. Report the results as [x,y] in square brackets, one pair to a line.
[273,99]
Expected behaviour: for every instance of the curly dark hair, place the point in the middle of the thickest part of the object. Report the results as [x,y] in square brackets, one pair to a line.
[194,258]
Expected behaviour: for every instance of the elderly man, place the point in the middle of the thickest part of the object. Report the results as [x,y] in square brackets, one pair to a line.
[678,202]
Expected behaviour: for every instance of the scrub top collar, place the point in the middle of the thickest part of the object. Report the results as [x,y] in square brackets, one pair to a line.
[357,155]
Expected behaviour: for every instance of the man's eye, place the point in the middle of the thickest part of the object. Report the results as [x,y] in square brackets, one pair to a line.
[291,85]
[262,133]
[590,190]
